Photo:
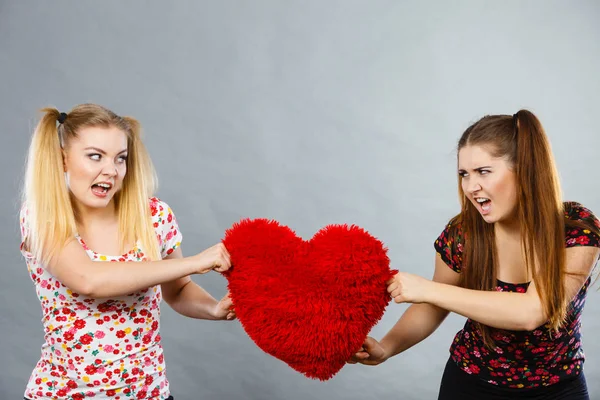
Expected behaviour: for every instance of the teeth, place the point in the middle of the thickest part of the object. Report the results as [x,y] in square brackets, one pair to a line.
[482,200]
[104,185]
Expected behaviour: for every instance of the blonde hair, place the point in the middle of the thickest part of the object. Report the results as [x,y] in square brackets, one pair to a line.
[51,214]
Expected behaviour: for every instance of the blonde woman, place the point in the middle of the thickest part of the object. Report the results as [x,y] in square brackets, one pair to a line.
[88,196]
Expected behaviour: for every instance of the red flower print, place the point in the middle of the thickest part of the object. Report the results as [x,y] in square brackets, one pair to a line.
[79,324]
[86,339]
[90,369]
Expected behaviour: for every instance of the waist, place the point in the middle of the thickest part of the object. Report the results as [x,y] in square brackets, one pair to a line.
[85,374]
[519,359]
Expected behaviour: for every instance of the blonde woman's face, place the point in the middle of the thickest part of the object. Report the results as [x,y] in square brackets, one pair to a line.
[95,165]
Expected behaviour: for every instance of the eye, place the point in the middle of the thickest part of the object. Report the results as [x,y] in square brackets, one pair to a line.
[484,172]
[95,156]
[462,174]
[122,159]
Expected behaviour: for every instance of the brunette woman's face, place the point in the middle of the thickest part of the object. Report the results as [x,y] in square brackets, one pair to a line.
[488,182]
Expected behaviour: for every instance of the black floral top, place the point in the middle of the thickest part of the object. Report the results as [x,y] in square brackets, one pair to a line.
[523,359]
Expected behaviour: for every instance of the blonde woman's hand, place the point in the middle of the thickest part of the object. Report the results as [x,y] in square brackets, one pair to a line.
[214,258]
[224,308]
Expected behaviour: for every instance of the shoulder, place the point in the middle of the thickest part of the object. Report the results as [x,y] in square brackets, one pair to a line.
[24,215]
[451,234]
[582,228]
[449,244]
[578,212]
[159,208]
[166,226]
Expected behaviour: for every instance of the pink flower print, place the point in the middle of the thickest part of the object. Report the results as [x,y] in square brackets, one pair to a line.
[99,334]
[108,348]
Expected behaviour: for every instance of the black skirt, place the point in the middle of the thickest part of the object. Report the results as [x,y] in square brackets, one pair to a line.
[458,385]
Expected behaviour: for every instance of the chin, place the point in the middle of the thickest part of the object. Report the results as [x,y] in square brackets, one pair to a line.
[489,219]
[94,202]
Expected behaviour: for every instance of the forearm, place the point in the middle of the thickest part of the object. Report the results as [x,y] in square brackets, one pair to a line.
[502,310]
[194,302]
[416,324]
[109,279]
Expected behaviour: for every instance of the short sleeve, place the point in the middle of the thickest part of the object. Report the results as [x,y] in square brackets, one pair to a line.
[449,245]
[25,231]
[578,234]
[165,224]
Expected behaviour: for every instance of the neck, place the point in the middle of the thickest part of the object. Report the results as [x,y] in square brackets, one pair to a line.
[89,216]
[508,228]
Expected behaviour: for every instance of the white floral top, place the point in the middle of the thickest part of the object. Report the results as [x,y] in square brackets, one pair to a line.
[101,348]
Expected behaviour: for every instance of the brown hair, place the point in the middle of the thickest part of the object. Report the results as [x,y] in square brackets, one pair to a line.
[521,140]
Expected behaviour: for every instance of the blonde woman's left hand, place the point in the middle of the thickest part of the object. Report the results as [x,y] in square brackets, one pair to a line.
[408,288]
[224,309]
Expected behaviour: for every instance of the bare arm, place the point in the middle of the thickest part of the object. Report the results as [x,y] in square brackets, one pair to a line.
[416,324]
[503,310]
[191,300]
[73,267]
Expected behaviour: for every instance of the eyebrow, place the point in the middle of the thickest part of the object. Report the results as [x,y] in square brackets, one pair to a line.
[478,168]
[102,151]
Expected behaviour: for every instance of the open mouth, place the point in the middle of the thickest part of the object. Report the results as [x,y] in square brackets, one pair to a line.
[101,188]
[484,203]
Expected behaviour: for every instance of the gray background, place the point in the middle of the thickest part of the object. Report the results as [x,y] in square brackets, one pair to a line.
[311,113]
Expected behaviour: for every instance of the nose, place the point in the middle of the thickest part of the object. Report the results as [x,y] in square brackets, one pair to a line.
[473,186]
[110,169]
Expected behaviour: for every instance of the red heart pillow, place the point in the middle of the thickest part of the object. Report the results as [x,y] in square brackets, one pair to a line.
[310,303]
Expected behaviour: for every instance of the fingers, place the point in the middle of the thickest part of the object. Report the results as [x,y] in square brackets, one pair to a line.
[226,302]
[358,357]
[222,259]
[369,344]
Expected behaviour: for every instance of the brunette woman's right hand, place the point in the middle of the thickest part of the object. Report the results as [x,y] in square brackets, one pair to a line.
[371,353]
[214,258]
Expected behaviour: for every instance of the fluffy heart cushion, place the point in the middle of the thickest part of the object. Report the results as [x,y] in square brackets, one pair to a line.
[310,303]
